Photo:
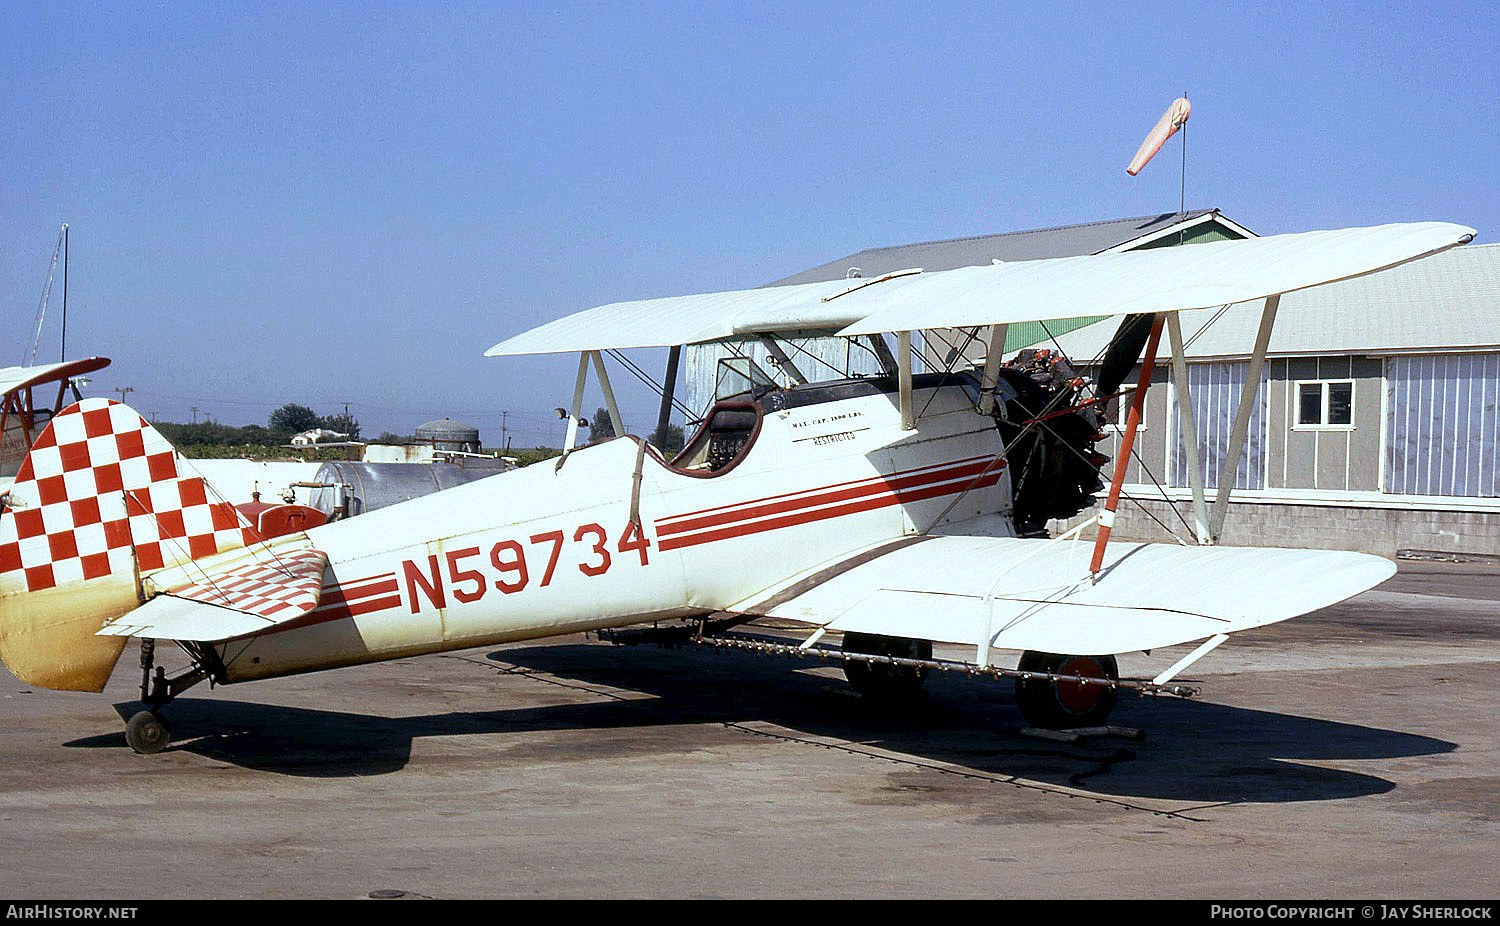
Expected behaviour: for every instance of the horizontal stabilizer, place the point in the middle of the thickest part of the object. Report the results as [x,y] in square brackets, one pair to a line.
[1038,595]
[234,601]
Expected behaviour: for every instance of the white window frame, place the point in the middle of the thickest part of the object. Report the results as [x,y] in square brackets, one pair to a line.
[1127,395]
[1322,424]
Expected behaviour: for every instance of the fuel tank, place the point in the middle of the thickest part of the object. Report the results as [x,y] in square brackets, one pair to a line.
[344,488]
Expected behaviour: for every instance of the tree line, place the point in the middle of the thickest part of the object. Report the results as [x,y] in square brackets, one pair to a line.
[601,429]
[211,438]
[285,422]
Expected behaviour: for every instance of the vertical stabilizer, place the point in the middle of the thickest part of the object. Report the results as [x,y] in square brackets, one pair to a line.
[98,501]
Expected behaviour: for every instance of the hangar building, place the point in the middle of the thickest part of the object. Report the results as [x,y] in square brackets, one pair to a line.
[1378,422]
[1377,425]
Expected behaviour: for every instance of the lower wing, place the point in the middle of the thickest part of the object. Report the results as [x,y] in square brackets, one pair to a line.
[1038,594]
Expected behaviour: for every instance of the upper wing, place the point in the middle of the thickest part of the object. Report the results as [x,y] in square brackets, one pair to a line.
[1154,280]
[13,378]
[227,601]
[1157,280]
[1038,595]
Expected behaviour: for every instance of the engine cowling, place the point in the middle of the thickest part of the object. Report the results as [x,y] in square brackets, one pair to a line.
[1050,434]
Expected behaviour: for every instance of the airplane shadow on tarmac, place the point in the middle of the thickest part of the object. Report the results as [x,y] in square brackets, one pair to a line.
[685,700]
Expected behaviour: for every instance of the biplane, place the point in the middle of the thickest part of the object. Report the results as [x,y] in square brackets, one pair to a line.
[896,510]
[23,416]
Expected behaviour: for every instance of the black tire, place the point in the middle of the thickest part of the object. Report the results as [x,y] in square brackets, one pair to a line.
[1054,705]
[147,733]
[882,681]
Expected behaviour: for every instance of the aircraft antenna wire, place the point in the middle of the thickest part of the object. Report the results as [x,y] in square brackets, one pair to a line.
[1206,325]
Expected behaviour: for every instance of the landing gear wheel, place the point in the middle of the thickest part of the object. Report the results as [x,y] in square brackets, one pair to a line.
[148,733]
[882,681]
[1061,705]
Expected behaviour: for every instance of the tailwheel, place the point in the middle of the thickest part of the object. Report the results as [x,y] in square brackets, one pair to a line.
[1061,705]
[883,681]
[148,732]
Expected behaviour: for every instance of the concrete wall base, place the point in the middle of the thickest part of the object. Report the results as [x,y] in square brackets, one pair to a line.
[1384,531]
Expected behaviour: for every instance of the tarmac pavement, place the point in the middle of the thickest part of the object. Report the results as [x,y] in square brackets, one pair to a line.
[1347,754]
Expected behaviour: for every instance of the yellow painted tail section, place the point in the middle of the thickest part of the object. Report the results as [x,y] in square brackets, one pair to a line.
[47,637]
[98,502]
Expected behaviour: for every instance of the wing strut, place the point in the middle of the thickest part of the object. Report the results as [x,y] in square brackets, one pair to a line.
[903,362]
[1230,466]
[1188,416]
[571,440]
[990,379]
[575,415]
[1122,459]
[1203,649]
[669,389]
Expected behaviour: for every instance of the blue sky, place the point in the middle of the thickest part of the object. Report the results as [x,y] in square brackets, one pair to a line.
[325,203]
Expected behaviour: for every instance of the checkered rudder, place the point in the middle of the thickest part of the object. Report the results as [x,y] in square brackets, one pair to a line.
[98,483]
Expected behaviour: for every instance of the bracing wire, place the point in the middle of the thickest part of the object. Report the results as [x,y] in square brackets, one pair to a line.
[28,357]
[645,377]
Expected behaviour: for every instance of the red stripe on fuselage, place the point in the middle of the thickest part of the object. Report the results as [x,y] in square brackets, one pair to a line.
[947,487]
[879,486]
[347,600]
[354,592]
[803,493]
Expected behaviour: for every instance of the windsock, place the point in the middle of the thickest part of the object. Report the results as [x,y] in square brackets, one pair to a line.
[1171,120]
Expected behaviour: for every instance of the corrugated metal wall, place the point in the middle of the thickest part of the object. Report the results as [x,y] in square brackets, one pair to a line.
[1216,389]
[1443,434]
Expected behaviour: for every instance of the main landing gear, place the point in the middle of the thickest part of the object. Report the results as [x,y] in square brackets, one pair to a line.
[1053,691]
[1046,700]
[1060,704]
[147,731]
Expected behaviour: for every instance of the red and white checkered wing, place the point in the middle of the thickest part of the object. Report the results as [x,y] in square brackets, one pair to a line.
[101,492]
[235,600]
[278,588]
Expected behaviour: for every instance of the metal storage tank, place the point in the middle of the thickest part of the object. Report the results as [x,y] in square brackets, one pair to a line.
[448,434]
[368,486]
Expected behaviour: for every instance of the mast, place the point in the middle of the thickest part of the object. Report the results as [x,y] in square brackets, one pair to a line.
[64,349]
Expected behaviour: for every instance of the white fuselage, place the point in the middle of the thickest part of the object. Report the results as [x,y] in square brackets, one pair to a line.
[548,550]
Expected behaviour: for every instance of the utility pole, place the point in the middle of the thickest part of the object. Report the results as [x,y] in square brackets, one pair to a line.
[195,414]
[503,442]
[122,390]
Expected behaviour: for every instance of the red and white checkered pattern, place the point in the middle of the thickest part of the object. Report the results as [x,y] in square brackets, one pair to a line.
[98,481]
[276,588]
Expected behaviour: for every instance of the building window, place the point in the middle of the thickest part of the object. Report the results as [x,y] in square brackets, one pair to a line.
[1117,410]
[1325,404]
